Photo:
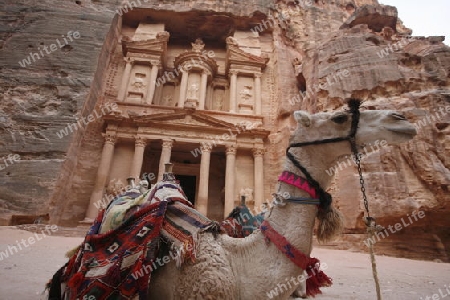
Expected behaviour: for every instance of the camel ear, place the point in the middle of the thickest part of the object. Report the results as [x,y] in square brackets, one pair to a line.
[302,117]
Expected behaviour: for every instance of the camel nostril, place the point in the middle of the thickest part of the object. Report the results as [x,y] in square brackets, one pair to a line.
[398,116]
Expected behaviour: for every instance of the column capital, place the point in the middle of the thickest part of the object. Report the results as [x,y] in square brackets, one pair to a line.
[110,138]
[257,75]
[233,73]
[206,72]
[167,143]
[258,151]
[206,147]
[139,141]
[130,60]
[231,149]
[155,63]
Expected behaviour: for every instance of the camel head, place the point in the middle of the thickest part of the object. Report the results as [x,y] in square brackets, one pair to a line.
[374,125]
[325,137]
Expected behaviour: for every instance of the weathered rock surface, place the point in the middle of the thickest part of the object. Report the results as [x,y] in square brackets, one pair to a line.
[376,17]
[342,49]
[388,71]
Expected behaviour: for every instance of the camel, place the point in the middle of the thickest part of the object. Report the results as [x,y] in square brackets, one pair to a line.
[252,268]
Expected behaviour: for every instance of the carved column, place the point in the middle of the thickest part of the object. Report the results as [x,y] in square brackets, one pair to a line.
[138,158]
[152,82]
[258,103]
[102,174]
[166,152]
[203,86]
[230,179]
[125,79]
[183,88]
[202,199]
[233,89]
[258,156]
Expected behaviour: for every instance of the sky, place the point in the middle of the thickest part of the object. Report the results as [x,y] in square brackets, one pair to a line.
[425,18]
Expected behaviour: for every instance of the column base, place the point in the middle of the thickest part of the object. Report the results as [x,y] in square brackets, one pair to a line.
[191,103]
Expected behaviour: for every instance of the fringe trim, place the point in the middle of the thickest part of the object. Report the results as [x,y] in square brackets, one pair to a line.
[316,278]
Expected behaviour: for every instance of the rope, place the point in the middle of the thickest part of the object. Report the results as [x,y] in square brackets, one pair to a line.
[370,222]
[325,198]
[371,232]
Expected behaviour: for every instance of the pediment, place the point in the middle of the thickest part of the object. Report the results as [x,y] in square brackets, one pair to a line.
[155,46]
[184,119]
[239,56]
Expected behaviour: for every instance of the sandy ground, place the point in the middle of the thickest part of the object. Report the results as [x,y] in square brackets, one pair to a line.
[24,274]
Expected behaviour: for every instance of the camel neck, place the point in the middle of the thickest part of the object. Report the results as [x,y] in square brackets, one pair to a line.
[316,160]
[294,221]
[300,216]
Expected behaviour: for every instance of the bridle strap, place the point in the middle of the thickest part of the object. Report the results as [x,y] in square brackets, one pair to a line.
[325,198]
[303,200]
[324,141]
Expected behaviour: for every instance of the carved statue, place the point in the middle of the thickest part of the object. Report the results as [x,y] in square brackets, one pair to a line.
[168,100]
[246,93]
[138,81]
[218,104]
[192,91]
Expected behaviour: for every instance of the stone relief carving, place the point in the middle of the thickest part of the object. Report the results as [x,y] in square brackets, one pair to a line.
[249,125]
[218,103]
[246,104]
[192,95]
[198,45]
[193,91]
[167,100]
[139,82]
[246,93]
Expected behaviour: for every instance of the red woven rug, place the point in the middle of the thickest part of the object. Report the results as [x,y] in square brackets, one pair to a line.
[105,264]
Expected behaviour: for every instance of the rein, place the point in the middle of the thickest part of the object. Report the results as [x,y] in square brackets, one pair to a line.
[324,197]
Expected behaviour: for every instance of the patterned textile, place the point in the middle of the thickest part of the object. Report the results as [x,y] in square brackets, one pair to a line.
[299,182]
[241,222]
[121,208]
[106,265]
[316,278]
[182,224]
[117,264]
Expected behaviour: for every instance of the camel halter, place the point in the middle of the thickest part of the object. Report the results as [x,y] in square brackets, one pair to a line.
[325,198]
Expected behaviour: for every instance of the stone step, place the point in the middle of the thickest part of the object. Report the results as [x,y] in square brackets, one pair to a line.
[79,231]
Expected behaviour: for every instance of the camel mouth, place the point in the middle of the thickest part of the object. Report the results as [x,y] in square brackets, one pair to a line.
[406,131]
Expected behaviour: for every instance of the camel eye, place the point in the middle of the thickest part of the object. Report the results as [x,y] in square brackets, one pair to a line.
[339,119]
[398,116]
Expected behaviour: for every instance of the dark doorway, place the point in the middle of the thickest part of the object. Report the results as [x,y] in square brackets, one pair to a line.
[189,185]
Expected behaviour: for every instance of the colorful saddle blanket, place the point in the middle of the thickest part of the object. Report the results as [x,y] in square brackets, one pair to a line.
[123,246]
[241,222]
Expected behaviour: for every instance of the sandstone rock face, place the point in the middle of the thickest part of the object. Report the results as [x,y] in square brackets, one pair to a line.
[389,71]
[326,50]
[44,89]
